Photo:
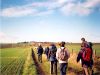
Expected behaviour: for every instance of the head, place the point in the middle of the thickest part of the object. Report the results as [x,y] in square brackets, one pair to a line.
[39,44]
[52,44]
[62,44]
[82,39]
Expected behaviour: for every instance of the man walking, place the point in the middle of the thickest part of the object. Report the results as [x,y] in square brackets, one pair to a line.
[52,58]
[40,52]
[62,56]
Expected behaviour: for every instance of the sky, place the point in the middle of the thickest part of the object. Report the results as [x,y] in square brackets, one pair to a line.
[49,20]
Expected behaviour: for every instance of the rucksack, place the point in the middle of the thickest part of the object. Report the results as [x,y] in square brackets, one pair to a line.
[87,54]
[89,44]
[63,55]
[46,50]
[53,51]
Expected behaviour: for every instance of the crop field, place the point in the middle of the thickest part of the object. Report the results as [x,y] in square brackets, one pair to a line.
[23,61]
[14,61]
[76,48]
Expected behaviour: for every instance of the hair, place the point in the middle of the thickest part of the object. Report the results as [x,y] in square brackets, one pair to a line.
[62,44]
[83,39]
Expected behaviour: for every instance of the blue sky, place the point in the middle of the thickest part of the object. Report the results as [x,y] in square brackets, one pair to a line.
[50,20]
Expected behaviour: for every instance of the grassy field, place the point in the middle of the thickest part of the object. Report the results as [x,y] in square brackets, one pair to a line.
[15,61]
[19,61]
[76,48]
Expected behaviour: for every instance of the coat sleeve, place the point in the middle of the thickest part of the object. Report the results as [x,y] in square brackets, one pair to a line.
[57,54]
[79,56]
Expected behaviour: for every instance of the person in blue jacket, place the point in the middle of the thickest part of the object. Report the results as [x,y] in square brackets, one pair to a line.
[40,52]
[47,51]
[52,58]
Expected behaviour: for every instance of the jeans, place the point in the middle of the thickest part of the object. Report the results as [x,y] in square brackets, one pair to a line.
[63,68]
[53,67]
[40,58]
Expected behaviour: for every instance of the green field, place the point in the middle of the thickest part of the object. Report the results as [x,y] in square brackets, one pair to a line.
[18,61]
[13,61]
[76,48]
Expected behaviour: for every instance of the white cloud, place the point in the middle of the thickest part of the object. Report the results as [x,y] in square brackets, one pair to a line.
[65,6]
[91,3]
[79,8]
[30,9]
[44,13]
[68,9]
[17,11]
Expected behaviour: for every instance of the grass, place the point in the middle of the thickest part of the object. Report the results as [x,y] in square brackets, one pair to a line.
[29,66]
[76,48]
[18,61]
[13,60]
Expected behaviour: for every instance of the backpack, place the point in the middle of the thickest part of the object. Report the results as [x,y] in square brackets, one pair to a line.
[87,54]
[46,50]
[63,55]
[53,51]
[89,44]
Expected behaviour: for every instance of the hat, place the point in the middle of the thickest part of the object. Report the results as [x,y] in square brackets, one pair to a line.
[62,43]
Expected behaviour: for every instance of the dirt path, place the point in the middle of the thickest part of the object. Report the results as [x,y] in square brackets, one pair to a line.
[74,71]
[71,70]
[38,67]
[41,72]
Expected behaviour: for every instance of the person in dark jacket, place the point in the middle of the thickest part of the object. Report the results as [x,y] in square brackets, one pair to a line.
[40,52]
[46,52]
[86,65]
[52,58]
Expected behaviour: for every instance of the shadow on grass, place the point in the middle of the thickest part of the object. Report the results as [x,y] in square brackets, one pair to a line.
[38,68]
[75,71]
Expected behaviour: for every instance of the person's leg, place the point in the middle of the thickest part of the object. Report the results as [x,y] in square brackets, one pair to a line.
[64,68]
[38,58]
[61,68]
[41,58]
[51,67]
[55,67]
[47,56]
[86,70]
[90,71]
[91,67]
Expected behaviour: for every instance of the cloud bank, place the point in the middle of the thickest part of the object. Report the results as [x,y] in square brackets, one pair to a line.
[66,7]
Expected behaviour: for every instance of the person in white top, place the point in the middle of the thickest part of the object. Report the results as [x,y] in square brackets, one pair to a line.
[62,56]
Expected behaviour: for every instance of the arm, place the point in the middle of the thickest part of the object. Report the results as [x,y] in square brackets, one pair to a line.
[79,56]
[57,54]
[49,54]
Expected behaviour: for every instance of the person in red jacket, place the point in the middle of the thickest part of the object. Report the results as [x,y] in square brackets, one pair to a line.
[85,55]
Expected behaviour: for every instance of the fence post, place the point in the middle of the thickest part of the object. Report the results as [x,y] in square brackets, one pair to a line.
[94,53]
[72,51]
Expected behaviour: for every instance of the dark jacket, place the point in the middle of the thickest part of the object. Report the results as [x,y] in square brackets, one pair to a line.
[52,53]
[40,50]
[79,57]
[46,50]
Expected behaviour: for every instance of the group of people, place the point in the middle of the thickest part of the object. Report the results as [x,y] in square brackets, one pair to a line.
[62,55]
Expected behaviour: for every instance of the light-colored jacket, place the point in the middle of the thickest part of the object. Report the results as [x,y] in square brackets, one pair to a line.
[58,51]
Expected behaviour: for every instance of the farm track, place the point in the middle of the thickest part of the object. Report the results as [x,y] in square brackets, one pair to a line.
[72,70]
[41,72]
[38,67]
